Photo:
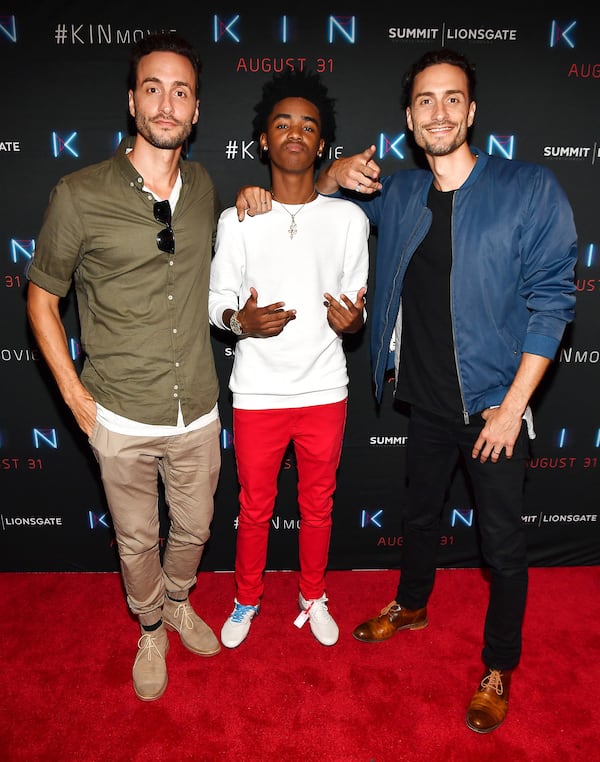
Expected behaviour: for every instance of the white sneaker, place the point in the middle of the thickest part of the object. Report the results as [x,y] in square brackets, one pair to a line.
[322,624]
[237,624]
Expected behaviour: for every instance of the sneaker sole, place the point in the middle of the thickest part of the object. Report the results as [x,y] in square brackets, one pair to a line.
[231,647]
[236,644]
[327,645]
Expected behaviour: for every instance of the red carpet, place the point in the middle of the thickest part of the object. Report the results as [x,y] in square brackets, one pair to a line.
[67,646]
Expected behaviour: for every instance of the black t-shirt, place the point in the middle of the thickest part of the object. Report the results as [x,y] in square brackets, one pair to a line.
[427,375]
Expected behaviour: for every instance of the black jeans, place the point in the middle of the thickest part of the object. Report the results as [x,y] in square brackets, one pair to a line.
[434,447]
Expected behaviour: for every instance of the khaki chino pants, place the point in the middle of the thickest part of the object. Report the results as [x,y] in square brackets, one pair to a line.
[188,465]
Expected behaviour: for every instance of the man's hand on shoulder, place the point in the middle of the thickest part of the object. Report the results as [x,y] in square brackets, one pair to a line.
[251,200]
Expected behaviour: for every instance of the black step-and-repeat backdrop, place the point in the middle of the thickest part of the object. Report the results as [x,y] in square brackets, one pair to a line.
[64,105]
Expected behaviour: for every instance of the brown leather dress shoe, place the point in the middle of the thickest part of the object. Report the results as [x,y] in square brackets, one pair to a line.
[489,704]
[391,619]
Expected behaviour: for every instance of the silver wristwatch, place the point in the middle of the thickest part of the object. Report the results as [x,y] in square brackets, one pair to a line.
[235,324]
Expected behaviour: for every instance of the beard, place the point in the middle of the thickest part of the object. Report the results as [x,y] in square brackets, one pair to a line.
[434,149]
[440,148]
[158,137]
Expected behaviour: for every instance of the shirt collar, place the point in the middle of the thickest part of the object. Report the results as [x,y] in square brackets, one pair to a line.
[129,172]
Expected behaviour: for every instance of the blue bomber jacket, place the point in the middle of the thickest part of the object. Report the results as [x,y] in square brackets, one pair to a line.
[514,248]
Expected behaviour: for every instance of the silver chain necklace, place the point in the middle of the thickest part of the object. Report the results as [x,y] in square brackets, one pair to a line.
[293,228]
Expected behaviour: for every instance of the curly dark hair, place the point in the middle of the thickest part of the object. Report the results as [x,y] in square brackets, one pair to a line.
[432,57]
[162,42]
[296,84]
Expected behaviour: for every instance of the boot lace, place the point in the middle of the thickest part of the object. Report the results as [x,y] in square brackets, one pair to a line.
[183,611]
[147,646]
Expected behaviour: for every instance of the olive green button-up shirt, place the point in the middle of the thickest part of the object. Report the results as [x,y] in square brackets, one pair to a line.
[143,313]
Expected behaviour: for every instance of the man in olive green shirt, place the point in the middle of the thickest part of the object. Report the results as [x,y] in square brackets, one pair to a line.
[134,234]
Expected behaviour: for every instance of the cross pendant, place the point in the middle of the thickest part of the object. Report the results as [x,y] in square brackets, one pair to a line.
[293,229]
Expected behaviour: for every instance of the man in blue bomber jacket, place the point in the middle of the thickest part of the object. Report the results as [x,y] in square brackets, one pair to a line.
[474,286]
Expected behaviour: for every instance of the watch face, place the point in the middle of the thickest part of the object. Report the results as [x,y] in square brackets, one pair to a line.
[235,324]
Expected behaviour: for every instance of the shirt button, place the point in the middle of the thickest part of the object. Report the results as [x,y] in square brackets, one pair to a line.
[174,330]
[175,395]
[170,297]
[171,263]
[176,364]
[176,386]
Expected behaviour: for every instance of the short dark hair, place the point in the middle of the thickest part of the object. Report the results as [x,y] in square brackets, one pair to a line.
[162,42]
[431,58]
[296,84]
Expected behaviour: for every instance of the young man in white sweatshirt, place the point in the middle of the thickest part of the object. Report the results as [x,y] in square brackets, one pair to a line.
[289,284]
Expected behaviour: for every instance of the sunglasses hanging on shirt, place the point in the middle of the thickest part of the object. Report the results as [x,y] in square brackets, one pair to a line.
[165,238]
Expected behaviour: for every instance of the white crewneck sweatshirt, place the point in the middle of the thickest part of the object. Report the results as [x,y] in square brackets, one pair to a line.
[305,364]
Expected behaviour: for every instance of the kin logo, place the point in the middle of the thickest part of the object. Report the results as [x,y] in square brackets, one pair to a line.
[98,520]
[74,348]
[8,28]
[337,27]
[590,255]
[61,145]
[222,28]
[45,437]
[461,517]
[344,26]
[501,145]
[391,145]
[226,439]
[367,518]
[21,247]
[558,34]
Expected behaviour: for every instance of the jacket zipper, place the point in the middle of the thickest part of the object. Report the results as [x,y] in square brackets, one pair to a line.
[460,389]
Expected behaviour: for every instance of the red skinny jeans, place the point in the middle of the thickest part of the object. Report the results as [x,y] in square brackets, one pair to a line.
[261,438]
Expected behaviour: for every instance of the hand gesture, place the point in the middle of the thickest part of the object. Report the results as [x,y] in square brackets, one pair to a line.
[262,322]
[348,319]
[358,173]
